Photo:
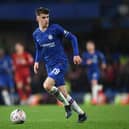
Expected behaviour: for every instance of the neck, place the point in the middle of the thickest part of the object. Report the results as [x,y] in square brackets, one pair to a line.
[20,52]
[42,28]
[92,51]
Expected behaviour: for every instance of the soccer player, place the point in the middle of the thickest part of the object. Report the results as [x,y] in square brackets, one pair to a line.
[6,77]
[48,42]
[22,61]
[92,58]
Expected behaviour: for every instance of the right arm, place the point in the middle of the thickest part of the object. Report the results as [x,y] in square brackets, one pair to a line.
[62,32]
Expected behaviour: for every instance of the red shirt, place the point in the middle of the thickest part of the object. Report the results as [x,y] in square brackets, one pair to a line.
[22,62]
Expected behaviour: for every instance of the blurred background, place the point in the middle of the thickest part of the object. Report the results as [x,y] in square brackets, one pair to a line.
[106,22]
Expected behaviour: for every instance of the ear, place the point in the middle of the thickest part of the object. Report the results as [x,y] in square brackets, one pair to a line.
[37,18]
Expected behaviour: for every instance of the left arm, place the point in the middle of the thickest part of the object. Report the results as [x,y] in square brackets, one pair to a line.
[29,59]
[61,31]
[73,39]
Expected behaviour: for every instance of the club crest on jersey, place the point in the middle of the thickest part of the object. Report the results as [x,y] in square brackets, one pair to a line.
[50,37]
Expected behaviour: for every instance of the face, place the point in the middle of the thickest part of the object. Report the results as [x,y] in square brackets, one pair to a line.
[90,46]
[43,20]
[19,48]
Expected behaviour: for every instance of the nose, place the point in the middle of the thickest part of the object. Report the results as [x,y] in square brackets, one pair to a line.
[46,19]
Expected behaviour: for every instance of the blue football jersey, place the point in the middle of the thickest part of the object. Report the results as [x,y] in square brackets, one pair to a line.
[97,57]
[6,74]
[93,70]
[49,46]
[6,65]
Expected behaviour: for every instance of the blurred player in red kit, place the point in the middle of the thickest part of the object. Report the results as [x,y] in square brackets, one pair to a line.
[22,61]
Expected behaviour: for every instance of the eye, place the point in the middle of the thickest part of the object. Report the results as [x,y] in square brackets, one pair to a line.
[46,17]
[43,17]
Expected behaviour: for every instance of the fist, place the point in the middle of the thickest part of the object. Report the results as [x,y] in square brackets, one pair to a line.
[77,59]
[36,67]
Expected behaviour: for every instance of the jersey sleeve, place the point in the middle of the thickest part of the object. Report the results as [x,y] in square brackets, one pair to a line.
[102,57]
[64,33]
[37,51]
[29,59]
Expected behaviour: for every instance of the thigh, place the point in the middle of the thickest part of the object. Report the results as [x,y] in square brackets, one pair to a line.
[58,74]
[93,75]
[58,77]
[26,79]
[18,78]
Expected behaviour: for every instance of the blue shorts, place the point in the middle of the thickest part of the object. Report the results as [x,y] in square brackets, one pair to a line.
[57,72]
[6,81]
[93,75]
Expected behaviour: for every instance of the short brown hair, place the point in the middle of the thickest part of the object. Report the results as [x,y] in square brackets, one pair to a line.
[41,10]
[90,41]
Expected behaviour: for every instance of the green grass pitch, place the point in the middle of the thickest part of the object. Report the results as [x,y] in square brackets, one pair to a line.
[52,117]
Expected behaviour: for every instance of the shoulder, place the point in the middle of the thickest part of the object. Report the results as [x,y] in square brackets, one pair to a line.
[85,53]
[55,26]
[25,53]
[98,52]
[56,29]
[35,32]
[15,56]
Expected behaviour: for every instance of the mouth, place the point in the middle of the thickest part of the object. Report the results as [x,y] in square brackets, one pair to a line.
[47,24]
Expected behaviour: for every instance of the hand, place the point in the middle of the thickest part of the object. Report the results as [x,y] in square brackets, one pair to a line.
[36,67]
[77,59]
[89,62]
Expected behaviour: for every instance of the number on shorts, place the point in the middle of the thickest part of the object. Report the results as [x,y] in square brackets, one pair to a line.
[56,71]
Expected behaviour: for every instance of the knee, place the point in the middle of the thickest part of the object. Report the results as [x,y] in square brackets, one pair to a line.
[47,86]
